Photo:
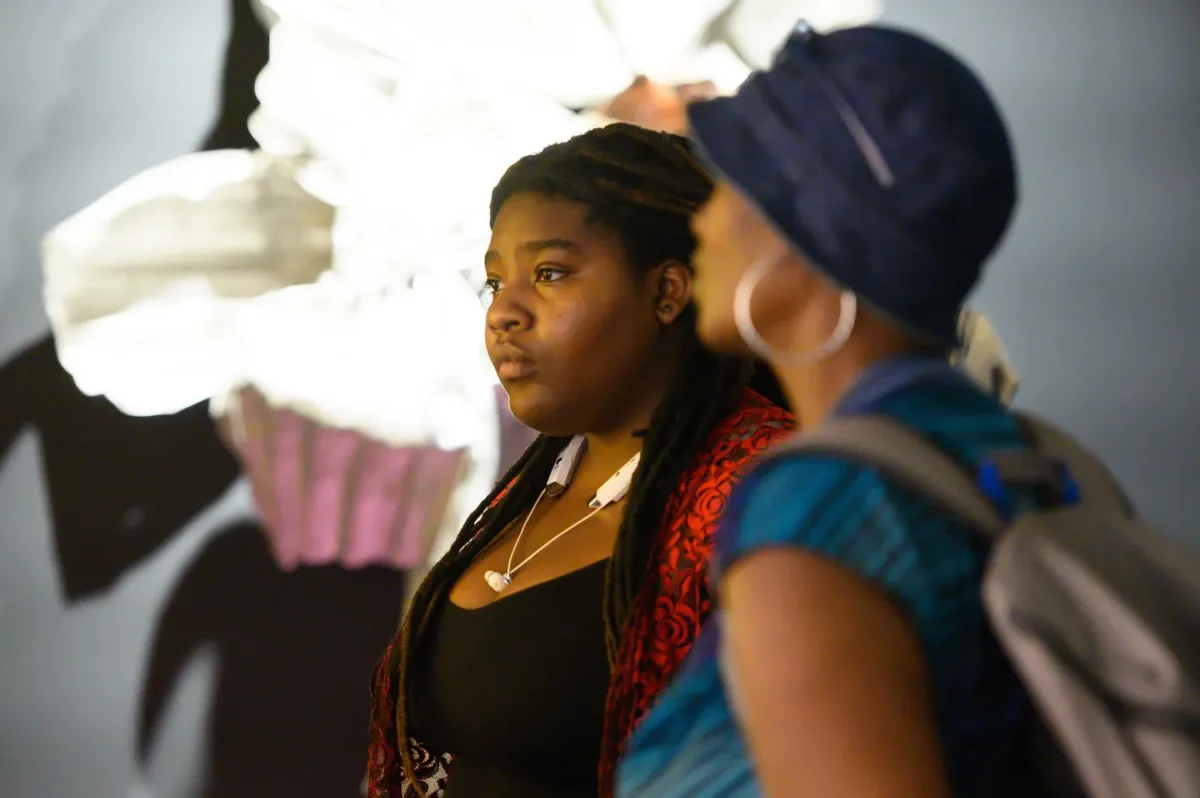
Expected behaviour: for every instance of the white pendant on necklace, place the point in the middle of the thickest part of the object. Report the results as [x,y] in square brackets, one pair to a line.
[497,581]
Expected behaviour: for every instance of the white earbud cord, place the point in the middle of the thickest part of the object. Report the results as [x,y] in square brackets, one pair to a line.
[510,570]
[500,581]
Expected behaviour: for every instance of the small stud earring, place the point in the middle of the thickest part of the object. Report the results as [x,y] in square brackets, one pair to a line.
[666,307]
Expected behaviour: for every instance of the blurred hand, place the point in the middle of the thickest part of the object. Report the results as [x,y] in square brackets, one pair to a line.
[694,92]
[655,106]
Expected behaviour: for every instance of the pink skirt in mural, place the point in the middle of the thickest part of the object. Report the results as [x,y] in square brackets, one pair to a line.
[336,496]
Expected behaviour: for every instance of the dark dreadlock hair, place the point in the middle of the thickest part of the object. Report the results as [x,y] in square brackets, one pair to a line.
[644,186]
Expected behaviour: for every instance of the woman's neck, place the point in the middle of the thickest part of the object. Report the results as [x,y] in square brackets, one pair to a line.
[814,390]
[607,452]
[622,435]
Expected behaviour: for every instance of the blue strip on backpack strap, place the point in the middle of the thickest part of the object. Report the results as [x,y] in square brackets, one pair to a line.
[991,482]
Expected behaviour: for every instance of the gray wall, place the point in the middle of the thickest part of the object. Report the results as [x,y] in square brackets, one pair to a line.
[1095,286]
[1092,292]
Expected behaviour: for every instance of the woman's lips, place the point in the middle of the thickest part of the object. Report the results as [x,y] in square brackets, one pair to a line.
[509,370]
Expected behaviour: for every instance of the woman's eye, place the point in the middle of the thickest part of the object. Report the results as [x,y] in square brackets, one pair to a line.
[490,287]
[549,274]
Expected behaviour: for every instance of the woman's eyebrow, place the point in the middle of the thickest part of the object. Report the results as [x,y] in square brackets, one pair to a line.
[535,247]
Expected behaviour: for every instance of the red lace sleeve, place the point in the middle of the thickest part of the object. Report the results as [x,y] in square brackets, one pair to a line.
[675,600]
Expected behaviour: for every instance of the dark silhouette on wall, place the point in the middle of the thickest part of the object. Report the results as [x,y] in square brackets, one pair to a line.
[246,54]
[294,653]
[119,487]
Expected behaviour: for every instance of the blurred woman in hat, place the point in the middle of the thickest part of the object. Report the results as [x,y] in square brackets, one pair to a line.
[863,181]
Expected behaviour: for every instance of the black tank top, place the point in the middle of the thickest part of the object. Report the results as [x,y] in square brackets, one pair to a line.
[515,691]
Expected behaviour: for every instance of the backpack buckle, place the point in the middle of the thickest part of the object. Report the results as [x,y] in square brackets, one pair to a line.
[1048,480]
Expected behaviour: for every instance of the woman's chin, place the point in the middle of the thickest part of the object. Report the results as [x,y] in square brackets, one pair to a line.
[530,405]
[545,417]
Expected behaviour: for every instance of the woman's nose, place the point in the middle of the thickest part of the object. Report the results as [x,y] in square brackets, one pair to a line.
[507,314]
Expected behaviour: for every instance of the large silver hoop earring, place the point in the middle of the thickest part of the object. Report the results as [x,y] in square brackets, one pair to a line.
[743,318]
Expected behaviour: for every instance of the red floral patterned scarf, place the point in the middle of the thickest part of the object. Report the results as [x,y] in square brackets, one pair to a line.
[666,617]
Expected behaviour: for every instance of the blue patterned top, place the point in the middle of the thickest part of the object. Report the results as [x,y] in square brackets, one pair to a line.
[689,746]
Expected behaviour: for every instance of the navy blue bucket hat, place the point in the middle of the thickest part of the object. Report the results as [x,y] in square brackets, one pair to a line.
[881,158]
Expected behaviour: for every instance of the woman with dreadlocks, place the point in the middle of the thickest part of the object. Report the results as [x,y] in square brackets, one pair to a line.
[577,587]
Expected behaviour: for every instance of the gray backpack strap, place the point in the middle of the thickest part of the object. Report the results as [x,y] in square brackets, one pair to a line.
[904,456]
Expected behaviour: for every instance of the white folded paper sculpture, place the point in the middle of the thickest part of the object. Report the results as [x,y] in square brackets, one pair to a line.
[213,273]
[145,287]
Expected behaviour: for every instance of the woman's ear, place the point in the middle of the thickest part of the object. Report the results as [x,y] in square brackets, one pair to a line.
[674,290]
